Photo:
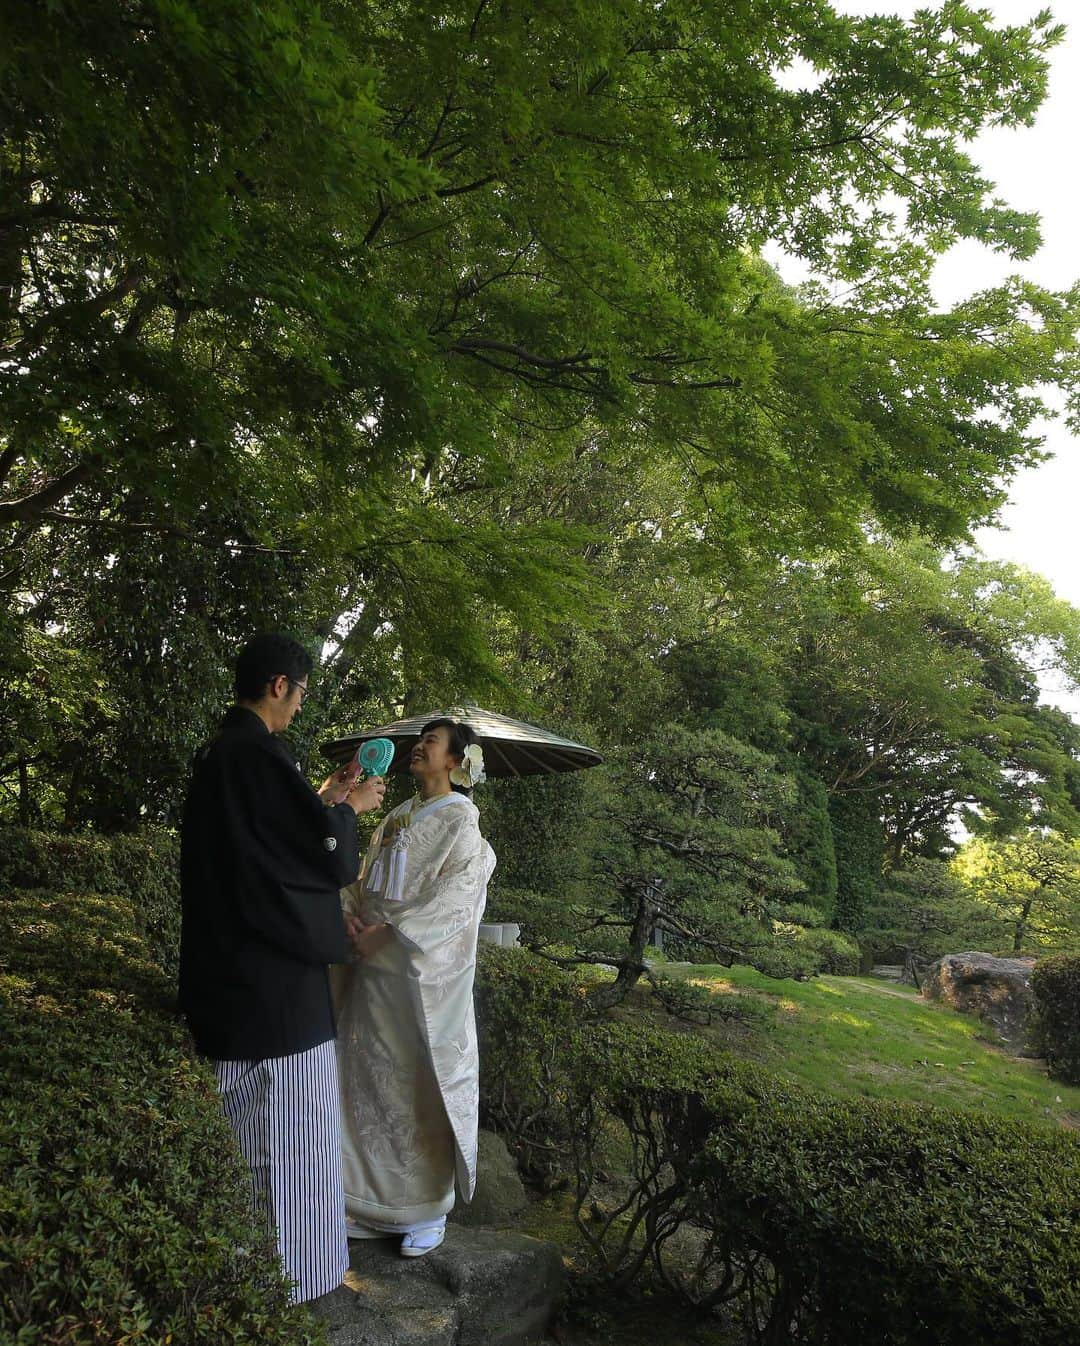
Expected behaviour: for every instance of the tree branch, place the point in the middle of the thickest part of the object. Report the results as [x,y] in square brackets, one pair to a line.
[83,308]
[696,385]
[33,506]
[166,530]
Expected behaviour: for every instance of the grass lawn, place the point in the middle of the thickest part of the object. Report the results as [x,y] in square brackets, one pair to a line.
[853,1036]
[865,1037]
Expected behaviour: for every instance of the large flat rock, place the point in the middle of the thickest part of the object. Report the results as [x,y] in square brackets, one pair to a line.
[481,1288]
[998,990]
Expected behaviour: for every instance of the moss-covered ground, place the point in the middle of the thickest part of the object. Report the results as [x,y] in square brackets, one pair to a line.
[861,1036]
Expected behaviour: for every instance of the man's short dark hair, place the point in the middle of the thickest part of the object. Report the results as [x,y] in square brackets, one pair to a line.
[267,656]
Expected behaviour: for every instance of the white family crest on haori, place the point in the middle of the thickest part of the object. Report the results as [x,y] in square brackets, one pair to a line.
[406,1030]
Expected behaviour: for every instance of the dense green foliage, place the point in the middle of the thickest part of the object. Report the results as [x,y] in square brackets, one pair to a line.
[142,871]
[449,345]
[818,1219]
[1056,983]
[1030,883]
[914,679]
[447,342]
[810,841]
[123,1201]
[830,951]
[528,1014]
[856,829]
[885,695]
[925,910]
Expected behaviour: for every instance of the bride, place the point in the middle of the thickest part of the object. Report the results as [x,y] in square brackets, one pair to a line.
[406,1033]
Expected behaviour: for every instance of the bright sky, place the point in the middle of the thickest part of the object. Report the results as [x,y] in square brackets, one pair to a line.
[1034,169]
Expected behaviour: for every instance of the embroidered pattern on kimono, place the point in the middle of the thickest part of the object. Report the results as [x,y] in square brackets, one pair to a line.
[406,1030]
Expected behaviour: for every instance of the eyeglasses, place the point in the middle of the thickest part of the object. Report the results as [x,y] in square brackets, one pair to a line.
[293,683]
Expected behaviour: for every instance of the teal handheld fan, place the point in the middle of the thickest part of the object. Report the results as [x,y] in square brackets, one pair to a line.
[375,756]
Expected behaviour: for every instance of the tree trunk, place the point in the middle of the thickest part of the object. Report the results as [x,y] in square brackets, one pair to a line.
[910,974]
[25,801]
[632,965]
[1020,927]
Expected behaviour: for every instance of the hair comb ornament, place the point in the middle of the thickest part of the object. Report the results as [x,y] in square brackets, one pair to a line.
[471,770]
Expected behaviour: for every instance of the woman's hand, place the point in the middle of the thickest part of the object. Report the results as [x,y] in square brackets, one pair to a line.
[367,940]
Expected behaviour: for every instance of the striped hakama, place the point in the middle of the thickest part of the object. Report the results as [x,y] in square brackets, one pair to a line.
[285,1112]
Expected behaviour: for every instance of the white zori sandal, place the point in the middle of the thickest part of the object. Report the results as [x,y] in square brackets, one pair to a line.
[422,1241]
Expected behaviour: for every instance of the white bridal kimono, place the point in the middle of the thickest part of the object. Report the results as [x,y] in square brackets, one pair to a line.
[407,1054]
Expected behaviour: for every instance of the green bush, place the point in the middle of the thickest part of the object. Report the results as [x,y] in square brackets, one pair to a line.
[825,1220]
[143,867]
[812,1219]
[528,1013]
[123,1200]
[801,952]
[1056,983]
[837,953]
[689,1000]
[786,956]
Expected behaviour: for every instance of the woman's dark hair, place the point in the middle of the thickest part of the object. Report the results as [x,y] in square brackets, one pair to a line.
[267,656]
[460,736]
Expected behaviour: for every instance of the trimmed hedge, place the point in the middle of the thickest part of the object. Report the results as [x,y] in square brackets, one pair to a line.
[142,867]
[528,1013]
[814,1219]
[804,951]
[1056,983]
[847,1222]
[124,1205]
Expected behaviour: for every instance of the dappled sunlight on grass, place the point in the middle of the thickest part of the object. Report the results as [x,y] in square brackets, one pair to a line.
[857,1036]
[718,985]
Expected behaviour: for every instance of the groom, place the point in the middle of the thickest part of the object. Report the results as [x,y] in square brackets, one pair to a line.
[263,857]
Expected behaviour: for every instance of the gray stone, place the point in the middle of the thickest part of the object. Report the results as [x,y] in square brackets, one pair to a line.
[500,1194]
[996,990]
[506,934]
[480,1288]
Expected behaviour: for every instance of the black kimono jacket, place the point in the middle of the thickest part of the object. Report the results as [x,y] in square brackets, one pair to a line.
[262,860]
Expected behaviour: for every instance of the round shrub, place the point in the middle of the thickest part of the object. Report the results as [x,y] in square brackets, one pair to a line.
[829,1220]
[813,1219]
[838,954]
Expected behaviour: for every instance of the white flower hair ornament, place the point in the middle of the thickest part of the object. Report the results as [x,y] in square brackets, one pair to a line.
[471,770]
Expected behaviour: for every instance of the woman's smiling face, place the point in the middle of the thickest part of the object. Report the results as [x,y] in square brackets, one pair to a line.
[432,754]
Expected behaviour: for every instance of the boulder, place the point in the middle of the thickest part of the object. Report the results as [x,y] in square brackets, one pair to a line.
[996,990]
[500,1196]
[480,1288]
